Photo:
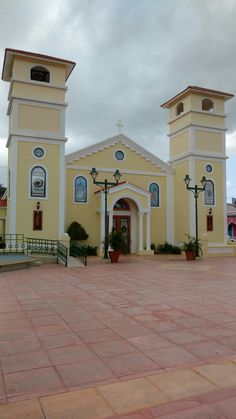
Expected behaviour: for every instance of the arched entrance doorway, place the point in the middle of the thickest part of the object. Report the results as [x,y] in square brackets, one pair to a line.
[121,219]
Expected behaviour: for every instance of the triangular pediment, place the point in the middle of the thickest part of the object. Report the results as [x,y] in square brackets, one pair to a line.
[122,186]
[118,139]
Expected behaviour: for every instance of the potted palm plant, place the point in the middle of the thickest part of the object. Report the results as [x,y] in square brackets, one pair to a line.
[190,247]
[118,245]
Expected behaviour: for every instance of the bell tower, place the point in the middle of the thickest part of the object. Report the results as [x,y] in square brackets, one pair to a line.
[36,142]
[197,148]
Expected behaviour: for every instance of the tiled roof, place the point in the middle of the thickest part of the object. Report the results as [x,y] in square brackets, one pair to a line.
[9,52]
[196,89]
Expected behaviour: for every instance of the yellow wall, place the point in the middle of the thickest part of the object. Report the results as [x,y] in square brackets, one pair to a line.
[209,141]
[181,201]
[217,235]
[85,213]
[208,119]
[133,161]
[39,118]
[34,91]
[26,204]
[179,144]
[22,66]
[181,122]
[196,103]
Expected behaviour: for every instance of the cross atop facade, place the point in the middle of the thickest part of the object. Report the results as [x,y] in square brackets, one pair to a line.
[119,125]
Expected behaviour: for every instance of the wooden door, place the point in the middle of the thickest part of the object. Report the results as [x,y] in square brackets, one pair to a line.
[122,223]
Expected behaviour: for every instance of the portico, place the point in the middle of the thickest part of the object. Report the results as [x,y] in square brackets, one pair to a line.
[129,211]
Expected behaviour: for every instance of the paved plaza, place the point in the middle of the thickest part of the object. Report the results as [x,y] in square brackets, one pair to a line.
[149,337]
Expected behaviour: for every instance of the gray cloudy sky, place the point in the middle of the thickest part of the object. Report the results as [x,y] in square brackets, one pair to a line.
[131,55]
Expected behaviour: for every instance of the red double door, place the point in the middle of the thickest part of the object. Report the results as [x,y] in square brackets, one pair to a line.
[122,223]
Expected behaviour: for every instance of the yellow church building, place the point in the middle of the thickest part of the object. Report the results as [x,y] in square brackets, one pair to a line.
[47,190]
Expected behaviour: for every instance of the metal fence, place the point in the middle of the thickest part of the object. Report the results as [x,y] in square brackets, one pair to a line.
[79,251]
[12,243]
[18,244]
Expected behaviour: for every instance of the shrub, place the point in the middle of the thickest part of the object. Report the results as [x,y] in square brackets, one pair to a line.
[168,248]
[91,251]
[77,232]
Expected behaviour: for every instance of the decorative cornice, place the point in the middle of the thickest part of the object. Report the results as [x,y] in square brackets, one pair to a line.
[37,83]
[120,138]
[34,102]
[222,115]
[212,129]
[35,138]
[202,156]
[124,171]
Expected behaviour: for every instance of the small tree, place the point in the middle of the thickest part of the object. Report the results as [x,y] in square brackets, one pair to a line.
[77,232]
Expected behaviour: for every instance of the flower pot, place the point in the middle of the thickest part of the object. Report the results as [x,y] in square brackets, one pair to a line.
[114,255]
[190,254]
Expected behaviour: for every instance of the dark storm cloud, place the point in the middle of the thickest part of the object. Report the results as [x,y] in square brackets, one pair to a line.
[131,56]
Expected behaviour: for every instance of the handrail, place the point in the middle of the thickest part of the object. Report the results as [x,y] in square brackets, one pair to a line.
[77,250]
[62,253]
[47,246]
[12,243]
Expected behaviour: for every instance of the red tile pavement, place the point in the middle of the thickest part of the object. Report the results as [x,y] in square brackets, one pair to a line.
[63,328]
[83,373]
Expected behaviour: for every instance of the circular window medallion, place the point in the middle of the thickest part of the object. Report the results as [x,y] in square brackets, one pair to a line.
[119,155]
[38,152]
[209,168]
[38,183]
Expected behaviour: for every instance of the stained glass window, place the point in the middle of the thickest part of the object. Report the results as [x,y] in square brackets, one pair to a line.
[38,182]
[154,190]
[121,204]
[80,189]
[209,194]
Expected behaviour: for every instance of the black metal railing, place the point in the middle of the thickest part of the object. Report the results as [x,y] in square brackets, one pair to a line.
[17,243]
[79,251]
[62,253]
[47,247]
[41,246]
[12,243]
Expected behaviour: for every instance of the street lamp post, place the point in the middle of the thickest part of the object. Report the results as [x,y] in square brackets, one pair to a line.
[105,183]
[196,192]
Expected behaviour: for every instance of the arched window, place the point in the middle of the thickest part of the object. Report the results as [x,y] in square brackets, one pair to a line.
[154,190]
[38,182]
[80,191]
[39,73]
[207,105]
[122,205]
[179,108]
[209,193]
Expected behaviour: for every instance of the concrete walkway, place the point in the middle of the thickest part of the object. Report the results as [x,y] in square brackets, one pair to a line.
[148,337]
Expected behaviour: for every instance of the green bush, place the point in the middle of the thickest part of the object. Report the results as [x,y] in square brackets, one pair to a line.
[168,248]
[91,251]
[77,232]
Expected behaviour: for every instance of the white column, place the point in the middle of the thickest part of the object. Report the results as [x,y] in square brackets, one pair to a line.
[148,215]
[110,221]
[140,214]
[102,229]
[170,234]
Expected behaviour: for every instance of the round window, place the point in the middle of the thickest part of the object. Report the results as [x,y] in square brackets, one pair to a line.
[209,168]
[38,152]
[119,155]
